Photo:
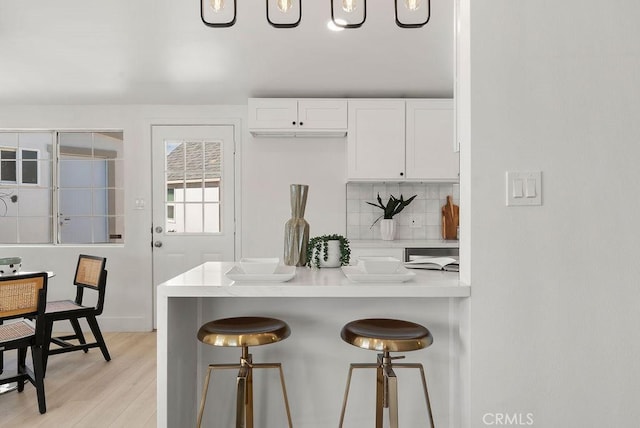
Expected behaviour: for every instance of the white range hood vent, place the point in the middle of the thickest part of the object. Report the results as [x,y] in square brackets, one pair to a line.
[299,133]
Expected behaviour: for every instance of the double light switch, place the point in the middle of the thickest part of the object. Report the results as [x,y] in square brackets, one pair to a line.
[524,188]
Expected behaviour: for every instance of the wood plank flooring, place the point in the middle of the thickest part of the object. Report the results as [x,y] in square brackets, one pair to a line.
[84,390]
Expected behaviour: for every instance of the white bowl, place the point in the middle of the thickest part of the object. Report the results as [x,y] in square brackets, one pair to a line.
[379,264]
[259,265]
[10,265]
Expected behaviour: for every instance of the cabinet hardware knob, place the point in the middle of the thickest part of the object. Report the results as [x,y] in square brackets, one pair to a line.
[401,174]
[293,123]
[301,123]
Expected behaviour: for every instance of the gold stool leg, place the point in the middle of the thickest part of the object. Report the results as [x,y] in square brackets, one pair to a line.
[244,397]
[346,390]
[241,389]
[424,386]
[205,387]
[381,391]
[203,400]
[391,395]
[284,388]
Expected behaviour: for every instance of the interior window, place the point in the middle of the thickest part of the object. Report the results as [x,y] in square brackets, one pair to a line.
[61,187]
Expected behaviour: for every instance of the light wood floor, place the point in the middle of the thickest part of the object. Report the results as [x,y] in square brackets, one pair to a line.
[84,390]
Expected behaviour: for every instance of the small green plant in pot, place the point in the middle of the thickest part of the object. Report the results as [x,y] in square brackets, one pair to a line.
[394,206]
[328,251]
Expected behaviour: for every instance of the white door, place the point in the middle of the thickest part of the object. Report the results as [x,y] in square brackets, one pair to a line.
[193,198]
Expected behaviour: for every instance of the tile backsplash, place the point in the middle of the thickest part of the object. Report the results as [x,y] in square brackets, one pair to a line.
[425,210]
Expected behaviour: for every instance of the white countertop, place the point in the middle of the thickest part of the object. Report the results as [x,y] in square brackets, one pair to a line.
[209,280]
[404,243]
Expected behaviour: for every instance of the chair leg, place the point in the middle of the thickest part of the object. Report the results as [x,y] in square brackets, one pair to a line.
[48,328]
[38,371]
[78,332]
[95,329]
[22,367]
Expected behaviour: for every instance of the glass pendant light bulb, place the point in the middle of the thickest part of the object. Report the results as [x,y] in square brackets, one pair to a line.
[349,5]
[284,5]
[216,5]
[412,4]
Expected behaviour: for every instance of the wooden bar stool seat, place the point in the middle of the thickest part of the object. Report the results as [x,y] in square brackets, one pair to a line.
[243,332]
[386,335]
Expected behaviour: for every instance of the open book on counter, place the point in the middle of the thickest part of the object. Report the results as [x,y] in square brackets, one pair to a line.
[435,263]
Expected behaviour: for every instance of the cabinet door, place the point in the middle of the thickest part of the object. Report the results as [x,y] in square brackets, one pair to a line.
[273,113]
[430,140]
[375,139]
[322,114]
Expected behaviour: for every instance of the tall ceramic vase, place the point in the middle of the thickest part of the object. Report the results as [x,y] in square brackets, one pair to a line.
[296,229]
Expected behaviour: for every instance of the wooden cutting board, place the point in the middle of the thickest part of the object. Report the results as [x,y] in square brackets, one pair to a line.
[450,219]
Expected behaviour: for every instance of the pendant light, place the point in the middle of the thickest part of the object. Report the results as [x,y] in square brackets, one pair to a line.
[348,13]
[284,13]
[218,13]
[412,13]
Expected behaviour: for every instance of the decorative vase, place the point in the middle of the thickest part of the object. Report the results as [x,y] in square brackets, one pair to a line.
[296,229]
[333,254]
[388,229]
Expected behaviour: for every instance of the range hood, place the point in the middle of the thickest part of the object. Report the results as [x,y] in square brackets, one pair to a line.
[299,133]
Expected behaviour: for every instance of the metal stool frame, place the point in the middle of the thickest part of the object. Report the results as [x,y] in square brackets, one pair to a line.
[244,388]
[386,388]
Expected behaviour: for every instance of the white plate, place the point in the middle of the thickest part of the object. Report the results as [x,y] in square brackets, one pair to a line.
[283,273]
[356,274]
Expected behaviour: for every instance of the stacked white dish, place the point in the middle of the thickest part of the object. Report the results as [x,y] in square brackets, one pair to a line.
[378,269]
[10,265]
[257,269]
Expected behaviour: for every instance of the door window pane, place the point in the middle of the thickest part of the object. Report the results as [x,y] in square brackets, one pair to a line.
[193,186]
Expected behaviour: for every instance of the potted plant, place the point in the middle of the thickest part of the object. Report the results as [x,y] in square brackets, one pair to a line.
[393,207]
[328,251]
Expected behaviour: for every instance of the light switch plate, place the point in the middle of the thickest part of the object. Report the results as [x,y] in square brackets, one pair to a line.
[524,188]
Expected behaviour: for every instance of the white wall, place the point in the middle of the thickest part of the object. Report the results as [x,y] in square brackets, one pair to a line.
[269,166]
[554,308]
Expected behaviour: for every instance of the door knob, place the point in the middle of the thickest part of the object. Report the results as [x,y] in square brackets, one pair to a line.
[157,244]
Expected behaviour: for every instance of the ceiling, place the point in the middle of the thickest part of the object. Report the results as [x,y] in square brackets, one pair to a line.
[159,52]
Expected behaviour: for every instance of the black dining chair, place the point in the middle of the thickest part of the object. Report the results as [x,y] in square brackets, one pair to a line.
[22,300]
[90,275]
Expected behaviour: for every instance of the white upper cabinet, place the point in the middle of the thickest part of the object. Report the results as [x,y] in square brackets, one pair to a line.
[297,117]
[393,139]
[375,140]
[430,145]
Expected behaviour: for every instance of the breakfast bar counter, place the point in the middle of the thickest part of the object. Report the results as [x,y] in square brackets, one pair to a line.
[209,280]
[316,303]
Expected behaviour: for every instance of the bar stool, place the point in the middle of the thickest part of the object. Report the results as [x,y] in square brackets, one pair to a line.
[386,335]
[243,332]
